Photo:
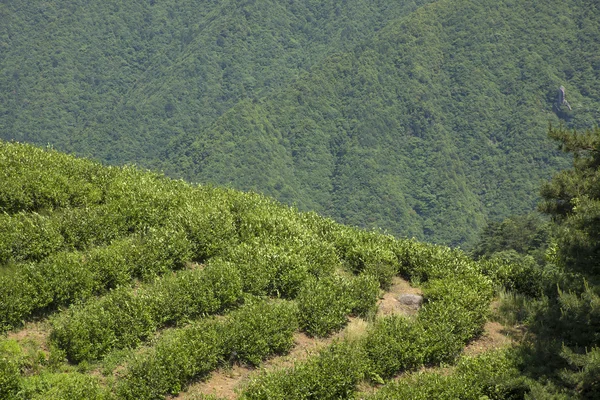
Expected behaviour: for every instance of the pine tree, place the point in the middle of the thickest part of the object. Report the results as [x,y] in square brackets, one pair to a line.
[572,199]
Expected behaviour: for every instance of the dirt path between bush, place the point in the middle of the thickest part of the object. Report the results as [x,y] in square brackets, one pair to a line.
[225,382]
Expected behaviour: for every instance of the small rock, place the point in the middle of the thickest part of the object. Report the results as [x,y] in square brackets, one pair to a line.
[412,300]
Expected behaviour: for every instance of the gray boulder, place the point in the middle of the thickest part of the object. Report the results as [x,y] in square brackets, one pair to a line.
[411,300]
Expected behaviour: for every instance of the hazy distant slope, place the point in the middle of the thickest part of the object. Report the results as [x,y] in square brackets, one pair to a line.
[436,125]
[118,81]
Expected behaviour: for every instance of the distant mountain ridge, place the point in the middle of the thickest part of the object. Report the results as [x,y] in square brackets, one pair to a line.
[426,120]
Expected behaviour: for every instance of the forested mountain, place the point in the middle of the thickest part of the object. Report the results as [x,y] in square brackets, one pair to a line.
[425,118]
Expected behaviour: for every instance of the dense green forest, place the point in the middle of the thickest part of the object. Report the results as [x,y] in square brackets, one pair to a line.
[425,118]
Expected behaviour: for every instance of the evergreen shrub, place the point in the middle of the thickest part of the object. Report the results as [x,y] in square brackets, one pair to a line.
[260,329]
[332,374]
[324,305]
[125,317]
[178,356]
[28,237]
[393,344]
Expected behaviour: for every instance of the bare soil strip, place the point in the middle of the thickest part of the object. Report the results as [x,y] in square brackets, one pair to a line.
[224,383]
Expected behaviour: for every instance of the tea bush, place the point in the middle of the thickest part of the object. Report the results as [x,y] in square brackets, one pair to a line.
[28,237]
[17,300]
[189,294]
[10,382]
[260,329]
[457,301]
[280,269]
[491,375]
[125,317]
[323,305]
[158,251]
[332,374]
[120,319]
[206,219]
[363,293]
[67,277]
[250,334]
[368,252]
[34,179]
[178,356]
[394,344]
[63,386]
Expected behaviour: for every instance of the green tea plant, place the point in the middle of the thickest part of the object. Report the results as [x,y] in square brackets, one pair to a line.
[67,277]
[323,305]
[332,374]
[35,179]
[125,317]
[28,237]
[260,329]
[488,376]
[280,269]
[254,332]
[10,382]
[393,344]
[63,386]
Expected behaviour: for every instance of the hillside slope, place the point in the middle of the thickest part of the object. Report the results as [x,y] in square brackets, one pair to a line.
[117,283]
[426,124]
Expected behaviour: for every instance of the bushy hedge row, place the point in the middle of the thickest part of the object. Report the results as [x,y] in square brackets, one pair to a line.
[125,317]
[249,334]
[10,382]
[326,303]
[280,269]
[366,251]
[28,237]
[458,297]
[63,386]
[491,375]
[332,374]
[33,179]
[67,277]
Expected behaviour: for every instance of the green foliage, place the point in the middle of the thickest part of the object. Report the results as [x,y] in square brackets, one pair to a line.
[121,319]
[67,277]
[487,376]
[393,344]
[333,374]
[457,302]
[363,293]
[10,382]
[584,372]
[258,330]
[368,252]
[177,357]
[63,386]
[207,222]
[125,317]
[425,120]
[572,199]
[525,235]
[323,305]
[251,334]
[515,272]
[28,237]
[35,180]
